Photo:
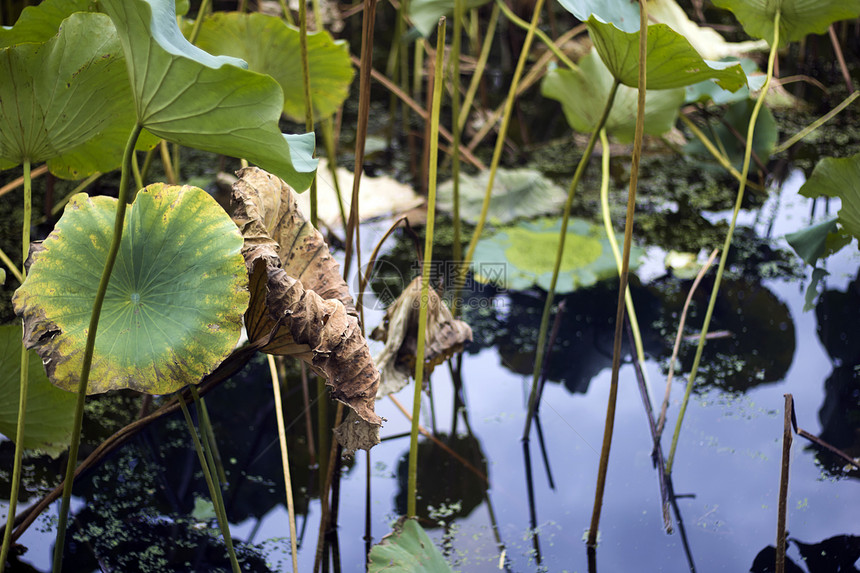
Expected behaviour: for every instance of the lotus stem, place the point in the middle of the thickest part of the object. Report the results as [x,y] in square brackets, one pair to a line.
[15,183]
[25,374]
[455,131]
[285,460]
[309,104]
[19,274]
[817,123]
[603,465]
[509,14]
[480,67]
[209,435]
[214,489]
[438,81]
[497,151]
[726,245]
[547,308]
[119,222]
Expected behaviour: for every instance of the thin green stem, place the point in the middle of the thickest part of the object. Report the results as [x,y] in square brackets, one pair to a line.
[306,84]
[479,67]
[497,151]
[119,222]
[438,81]
[214,489]
[726,246]
[603,465]
[817,123]
[547,308]
[455,130]
[509,14]
[25,375]
[285,459]
[11,266]
[201,13]
[209,435]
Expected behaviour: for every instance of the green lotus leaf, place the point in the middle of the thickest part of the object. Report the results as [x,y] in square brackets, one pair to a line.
[517,193]
[583,95]
[797,17]
[39,23]
[407,549]
[521,256]
[838,178]
[810,243]
[672,62]
[709,91]
[738,117]
[50,411]
[623,13]
[173,307]
[270,46]
[425,14]
[66,101]
[190,97]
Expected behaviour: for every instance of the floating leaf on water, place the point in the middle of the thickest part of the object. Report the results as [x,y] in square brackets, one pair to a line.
[50,411]
[190,97]
[443,337]
[583,94]
[173,307]
[517,193]
[300,305]
[797,17]
[271,46]
[521,256]
[407,549]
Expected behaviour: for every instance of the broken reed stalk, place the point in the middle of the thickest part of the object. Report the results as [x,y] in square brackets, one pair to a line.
[119,221]
[727,244]
[783,485]
[544,323]
[622,283]
[661,421]
[438,82]
[23,385]
[285,459]
[214,489]
[497,152]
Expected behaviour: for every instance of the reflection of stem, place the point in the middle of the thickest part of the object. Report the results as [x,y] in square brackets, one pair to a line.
[285,460]
[622,286]
[412,487]
[661,421]
[90,346]
[544,323]
[214,489]
[680,520]
[783,485]
[726,245]
[530,490]
[24,373]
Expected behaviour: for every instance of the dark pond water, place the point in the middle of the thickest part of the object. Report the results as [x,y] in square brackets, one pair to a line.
[135,512]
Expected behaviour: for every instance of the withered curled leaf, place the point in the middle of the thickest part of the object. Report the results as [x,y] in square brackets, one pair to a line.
[444,337]
[300,305]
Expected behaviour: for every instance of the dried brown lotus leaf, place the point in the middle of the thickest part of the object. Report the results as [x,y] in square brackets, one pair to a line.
[288,261]
[444,337]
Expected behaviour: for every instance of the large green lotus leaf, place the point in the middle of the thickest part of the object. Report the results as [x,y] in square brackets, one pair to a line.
[66,101]
[738,117]
[188,96]
[523,255]
[39,23]
[671,61]
[517,193]
[425,14]
[838,178]
[50,411]
[270,46]
[174,304]
[623,13]
[583,95]
[407,549]
[797,17]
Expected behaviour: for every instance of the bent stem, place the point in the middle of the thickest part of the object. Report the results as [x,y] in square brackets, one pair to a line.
[726,245]
[622,283]
[547,307]
[412,486]
[119,222]
[24,380]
